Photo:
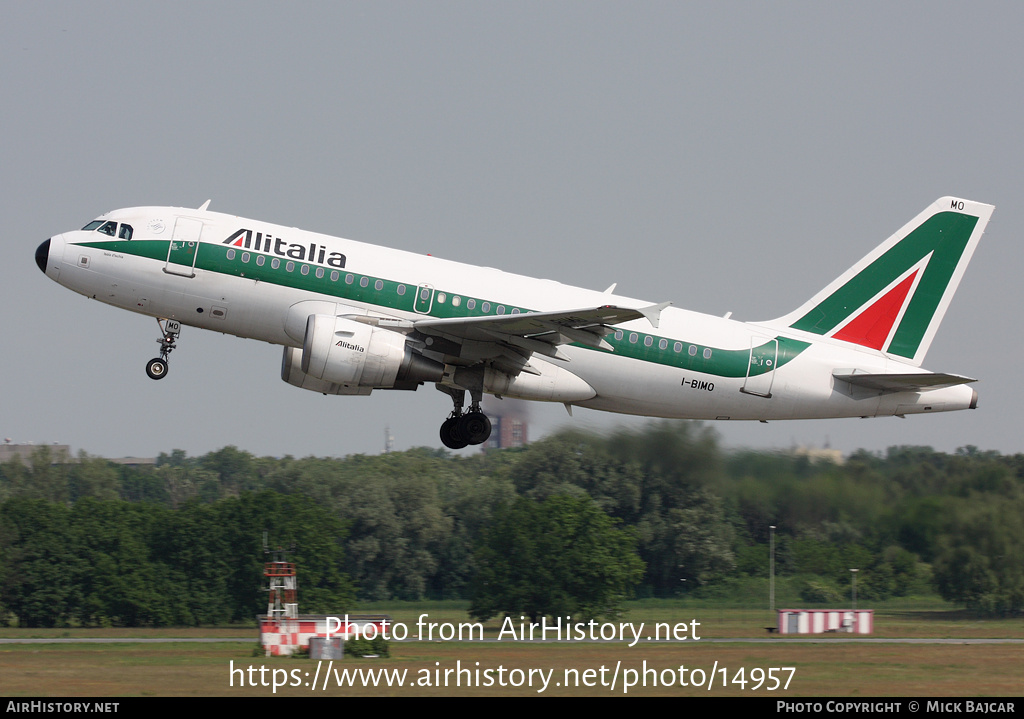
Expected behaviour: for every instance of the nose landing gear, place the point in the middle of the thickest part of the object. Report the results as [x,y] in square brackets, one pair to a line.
[157,368]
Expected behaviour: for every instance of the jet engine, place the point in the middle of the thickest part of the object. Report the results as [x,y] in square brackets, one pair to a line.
[341,356]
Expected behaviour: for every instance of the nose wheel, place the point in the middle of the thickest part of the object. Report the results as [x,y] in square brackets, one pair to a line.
[157,367]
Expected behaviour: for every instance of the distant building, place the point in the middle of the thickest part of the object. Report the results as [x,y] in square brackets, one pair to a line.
[819,455]
[8,451]
[60,454]
[507,432]
[133,461]
[509,422]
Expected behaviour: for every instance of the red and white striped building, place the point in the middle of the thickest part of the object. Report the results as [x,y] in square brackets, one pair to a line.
[284,636]
[821,621]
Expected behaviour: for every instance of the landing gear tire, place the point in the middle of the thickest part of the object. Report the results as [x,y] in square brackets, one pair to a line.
[156,368]
[464,428]
[450,435]
[474,427]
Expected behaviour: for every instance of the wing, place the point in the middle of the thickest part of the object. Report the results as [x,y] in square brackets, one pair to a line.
[509,340]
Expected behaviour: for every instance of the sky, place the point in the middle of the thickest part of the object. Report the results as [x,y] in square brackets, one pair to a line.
[727,156]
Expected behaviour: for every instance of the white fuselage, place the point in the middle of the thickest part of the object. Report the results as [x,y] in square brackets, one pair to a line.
[691,366]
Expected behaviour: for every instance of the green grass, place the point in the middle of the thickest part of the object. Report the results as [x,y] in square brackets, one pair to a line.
[823,668]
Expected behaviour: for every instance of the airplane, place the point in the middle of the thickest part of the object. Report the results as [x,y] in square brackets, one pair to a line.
[354,317]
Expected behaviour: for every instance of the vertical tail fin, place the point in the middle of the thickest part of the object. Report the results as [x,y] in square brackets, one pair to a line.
[894,299]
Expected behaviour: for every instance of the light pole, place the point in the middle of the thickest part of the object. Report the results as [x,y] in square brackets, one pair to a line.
[771,569]
[854,573]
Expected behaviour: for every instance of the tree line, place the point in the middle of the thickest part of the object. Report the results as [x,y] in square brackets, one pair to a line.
[588,518]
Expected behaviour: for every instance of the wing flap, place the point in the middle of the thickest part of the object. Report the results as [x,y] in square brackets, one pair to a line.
[540,331]
[534,323]
[508,341]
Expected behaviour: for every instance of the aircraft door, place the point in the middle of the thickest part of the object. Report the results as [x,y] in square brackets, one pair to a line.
[424,299]
[181,255]
[764,354]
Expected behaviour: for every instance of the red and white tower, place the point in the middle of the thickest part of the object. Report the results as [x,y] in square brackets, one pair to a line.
[283,587]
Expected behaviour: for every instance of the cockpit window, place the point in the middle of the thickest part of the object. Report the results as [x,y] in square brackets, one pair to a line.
[109,227]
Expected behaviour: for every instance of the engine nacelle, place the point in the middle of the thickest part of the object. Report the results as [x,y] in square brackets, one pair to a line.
[353,354]
[291,372]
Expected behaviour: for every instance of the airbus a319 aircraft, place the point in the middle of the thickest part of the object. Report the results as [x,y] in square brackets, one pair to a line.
[354,317]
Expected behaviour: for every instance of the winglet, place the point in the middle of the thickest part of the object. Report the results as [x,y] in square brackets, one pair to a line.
[653,312]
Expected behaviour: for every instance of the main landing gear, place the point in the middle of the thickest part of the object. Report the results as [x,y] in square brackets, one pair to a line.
[462,429]
[156,368]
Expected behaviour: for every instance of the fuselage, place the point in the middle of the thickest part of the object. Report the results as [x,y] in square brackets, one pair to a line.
[262,281]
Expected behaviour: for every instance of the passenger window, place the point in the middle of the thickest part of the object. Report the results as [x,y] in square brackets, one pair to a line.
[126,232]
[456,301]
[648,340]
[486,307]
[663,344]
[364,281]
[260,259]
[470,304]
[231,254]
[319,273]
[275,263]
[618,334]
[633,336]
[289,266]
[378,285]
[304,269]
[707,353]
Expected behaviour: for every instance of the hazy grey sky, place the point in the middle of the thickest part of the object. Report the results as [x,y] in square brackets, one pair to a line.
[725,156]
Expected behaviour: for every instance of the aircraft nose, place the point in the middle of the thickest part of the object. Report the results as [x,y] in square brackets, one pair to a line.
[42,255]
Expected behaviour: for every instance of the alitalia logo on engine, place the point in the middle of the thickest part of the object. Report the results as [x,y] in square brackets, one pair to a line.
[265,242]
[349,346]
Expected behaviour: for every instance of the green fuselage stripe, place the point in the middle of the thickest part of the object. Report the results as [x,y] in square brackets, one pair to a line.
[353,287]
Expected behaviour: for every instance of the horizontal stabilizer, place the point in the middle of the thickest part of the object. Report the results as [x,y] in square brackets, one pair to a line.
[913,382]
